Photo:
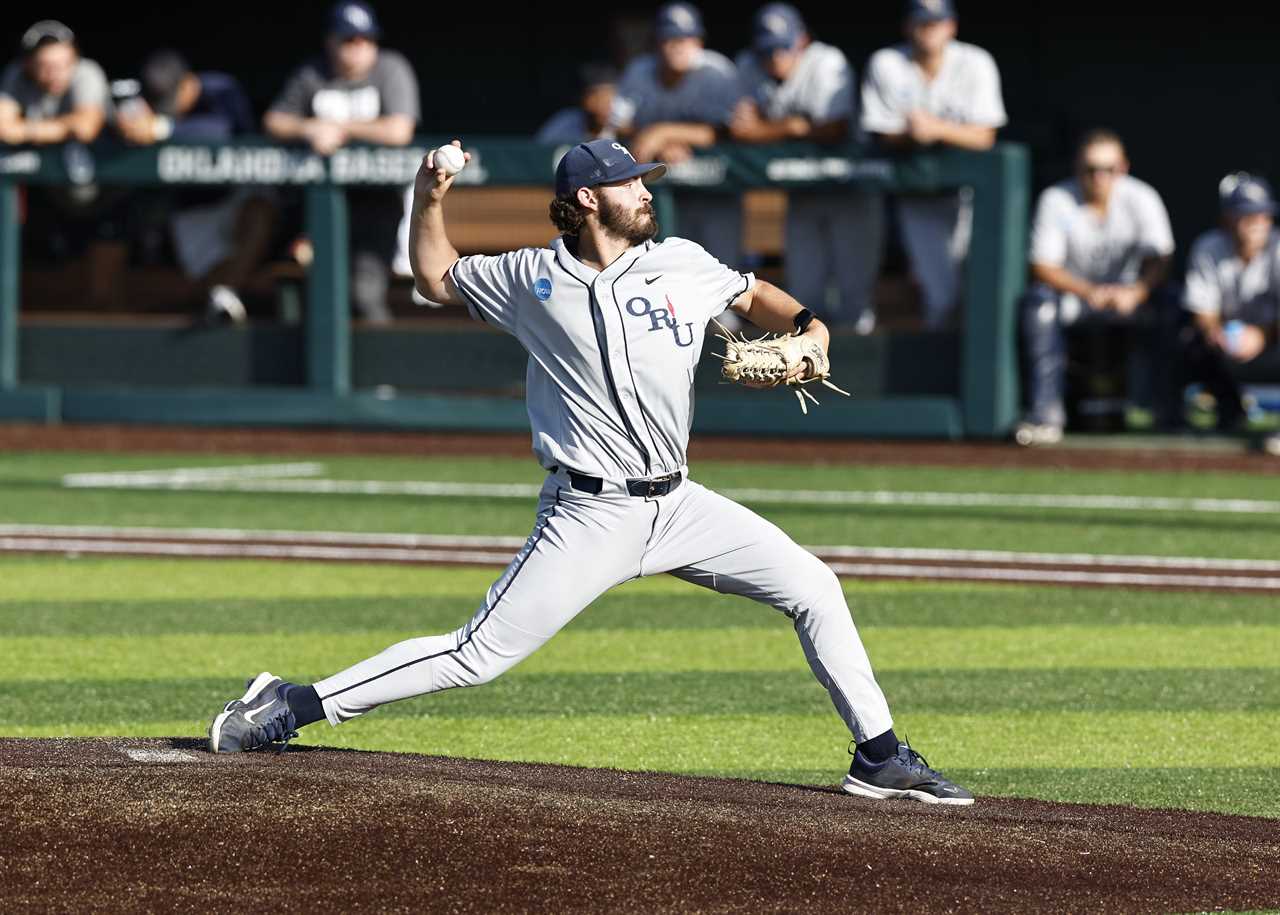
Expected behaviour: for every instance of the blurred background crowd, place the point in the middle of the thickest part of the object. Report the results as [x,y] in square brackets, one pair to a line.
[1176,256]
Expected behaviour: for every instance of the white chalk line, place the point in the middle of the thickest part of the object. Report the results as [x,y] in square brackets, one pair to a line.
[1083,560]
[1057,576]
[159,756]
[297,478]
[192,475]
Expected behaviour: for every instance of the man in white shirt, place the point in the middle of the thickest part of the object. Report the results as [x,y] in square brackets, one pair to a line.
[1101,244]
[800,89]
[1232,299]
[933,90]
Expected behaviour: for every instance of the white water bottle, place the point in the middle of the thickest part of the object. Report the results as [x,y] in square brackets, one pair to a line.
[1233,336]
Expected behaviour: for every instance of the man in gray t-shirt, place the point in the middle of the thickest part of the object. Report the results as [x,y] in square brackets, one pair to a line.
[52,94]
[357,92]
[800,89]
[676,100]
[1100,247]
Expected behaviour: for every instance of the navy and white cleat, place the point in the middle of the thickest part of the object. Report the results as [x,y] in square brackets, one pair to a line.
[905,775]
[260,718]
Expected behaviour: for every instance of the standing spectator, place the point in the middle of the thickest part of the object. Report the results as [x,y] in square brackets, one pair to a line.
[219,234]
[934,90]
[1232,299]
[588,119]
[356,92]
[673,101]
[53,95]
[800,89]
[1101,245]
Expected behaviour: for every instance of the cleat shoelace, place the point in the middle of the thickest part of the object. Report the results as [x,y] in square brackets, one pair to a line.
[916,762]
[279,729]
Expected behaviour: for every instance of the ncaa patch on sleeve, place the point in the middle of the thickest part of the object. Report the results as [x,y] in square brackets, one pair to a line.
[542,288]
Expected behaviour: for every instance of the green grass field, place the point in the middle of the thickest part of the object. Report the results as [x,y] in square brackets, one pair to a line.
[1104,696]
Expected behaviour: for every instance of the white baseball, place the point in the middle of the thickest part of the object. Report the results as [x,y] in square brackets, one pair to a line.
[449,158]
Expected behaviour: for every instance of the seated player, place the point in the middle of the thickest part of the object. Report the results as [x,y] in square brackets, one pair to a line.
[1232,301]
[1101,245]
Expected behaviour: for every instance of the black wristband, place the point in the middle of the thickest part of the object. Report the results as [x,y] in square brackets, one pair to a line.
[802,319]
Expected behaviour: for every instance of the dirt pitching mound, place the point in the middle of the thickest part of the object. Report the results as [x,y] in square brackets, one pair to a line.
[163,825]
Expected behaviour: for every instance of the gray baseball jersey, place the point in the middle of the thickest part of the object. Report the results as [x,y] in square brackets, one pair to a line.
[611,362]
[707,94]
[1109,249]
[642,320]
[88,90]
[966,89]
[1220,283]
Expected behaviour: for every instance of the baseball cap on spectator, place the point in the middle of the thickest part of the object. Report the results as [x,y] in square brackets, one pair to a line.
[162,75]
[600,162]
[678,20]
[778,28]
[930,10]
[46,31]
[352,18]
[1242,194]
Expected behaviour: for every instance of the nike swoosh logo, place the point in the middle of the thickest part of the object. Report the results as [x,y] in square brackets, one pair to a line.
[652,279]
[248,716]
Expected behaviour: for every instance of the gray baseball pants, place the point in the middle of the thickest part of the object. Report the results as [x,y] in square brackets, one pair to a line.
[581,546]
[834,239]
[935,234]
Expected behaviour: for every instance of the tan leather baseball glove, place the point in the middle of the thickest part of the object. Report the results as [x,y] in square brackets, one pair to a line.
[771,361]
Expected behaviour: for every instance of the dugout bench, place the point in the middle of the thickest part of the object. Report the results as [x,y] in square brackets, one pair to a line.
[959,384]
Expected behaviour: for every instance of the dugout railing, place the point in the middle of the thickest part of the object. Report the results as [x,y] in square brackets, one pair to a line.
[981,401]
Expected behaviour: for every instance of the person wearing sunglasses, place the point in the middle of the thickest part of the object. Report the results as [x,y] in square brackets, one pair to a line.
[1101,246]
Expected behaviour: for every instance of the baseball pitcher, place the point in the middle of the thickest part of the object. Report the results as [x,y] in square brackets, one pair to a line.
[613,323]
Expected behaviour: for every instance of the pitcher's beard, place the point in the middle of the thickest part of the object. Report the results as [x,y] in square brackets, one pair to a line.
[635,227]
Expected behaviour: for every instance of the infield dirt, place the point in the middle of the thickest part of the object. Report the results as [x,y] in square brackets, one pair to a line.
[162,825]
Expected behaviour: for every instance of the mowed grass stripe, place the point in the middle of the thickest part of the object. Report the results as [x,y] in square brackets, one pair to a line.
[46,596]
[740,743]
[49,467]
[622,651]
[689,693]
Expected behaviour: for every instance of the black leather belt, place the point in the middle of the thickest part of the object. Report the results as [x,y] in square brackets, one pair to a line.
[642,487]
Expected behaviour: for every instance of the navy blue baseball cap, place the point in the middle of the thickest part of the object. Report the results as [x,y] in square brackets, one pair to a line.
[779,27]
[930,10]
[353,17]
[600,162]
[678,20]
[1242,194]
